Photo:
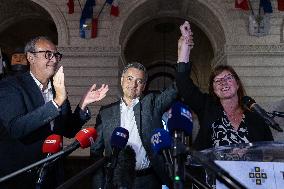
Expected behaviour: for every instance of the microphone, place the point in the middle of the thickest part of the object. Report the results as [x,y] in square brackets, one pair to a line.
[180,119]
[161,142]
[124,173]
[252,106]
[51,145]
[118,141]
[84,138]
[180,125]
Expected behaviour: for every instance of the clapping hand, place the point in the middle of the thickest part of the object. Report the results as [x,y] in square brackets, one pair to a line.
[59,87]
[93,95]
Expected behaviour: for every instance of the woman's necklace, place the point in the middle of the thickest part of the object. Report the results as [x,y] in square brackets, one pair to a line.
[235,116]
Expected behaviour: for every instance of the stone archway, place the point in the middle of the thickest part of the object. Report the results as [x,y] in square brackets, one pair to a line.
[20,21]
[59,20]
[147,14]
[211,20]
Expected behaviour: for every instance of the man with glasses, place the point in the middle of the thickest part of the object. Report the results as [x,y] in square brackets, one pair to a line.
[34,106]
[140,115]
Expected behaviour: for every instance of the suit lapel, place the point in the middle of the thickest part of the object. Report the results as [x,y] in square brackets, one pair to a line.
[115,119]
[31,89]
[137,114]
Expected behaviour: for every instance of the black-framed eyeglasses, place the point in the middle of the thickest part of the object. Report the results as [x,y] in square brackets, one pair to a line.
[227,78]
[49,55]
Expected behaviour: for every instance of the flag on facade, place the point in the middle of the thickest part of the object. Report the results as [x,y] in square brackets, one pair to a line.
[242,4]
[266,5]
[280,5]
[114,10]
[94,27]
[86,20]
[70,5]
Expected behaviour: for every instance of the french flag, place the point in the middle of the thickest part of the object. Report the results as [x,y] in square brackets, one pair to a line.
[280,5]
[114,10]
[87,21]
[70,5]
[242,4]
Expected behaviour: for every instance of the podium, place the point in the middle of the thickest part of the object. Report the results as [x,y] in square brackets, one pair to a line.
[257,165]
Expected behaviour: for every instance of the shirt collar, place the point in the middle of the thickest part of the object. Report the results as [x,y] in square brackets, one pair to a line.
[38,83]
[133,103]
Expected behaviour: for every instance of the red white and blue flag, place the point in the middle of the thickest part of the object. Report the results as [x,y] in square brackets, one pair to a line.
[266,5]
[87,23]
[242,4]
[280,5]
[114,10]
[70,5]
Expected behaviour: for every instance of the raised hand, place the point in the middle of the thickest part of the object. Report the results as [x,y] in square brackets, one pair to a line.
[185,43]
[59,86]
[93,95]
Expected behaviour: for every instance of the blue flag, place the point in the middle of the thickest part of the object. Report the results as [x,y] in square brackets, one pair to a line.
[109,1]
[266,5]
[86,19]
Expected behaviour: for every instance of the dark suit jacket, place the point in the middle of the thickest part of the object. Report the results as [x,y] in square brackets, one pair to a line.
[208,111]
[148,115]
[27,118]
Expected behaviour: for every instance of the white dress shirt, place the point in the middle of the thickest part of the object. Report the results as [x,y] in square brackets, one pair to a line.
[127,121]
[47,95]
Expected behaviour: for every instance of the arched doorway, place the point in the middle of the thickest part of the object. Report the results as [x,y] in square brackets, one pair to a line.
[20,21]
[154,44]
[150,32]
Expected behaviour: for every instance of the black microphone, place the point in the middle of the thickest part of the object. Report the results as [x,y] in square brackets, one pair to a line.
[124,173]
[180,125]
[119,139]
[161,142]
[252,106]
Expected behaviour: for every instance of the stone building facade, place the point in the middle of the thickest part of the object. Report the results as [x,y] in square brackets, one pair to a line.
[147,31]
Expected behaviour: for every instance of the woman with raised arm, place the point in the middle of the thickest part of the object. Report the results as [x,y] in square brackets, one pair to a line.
[223,120]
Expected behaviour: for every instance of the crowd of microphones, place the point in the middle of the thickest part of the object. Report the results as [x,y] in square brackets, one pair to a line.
[120,166]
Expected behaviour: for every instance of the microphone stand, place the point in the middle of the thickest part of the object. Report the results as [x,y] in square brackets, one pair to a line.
[179,159]
[42,172]
[197,182]
[83,173]
[57,155]
[109,175]
[276,113]
[221,174]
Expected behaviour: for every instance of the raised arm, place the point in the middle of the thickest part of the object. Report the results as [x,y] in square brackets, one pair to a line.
[93,95]
[186,88]
[185,43]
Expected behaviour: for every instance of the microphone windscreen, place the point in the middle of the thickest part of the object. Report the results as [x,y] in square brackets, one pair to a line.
[180,119]
[86,137]
[247,102]
[52,144]
[160,140]
[124,173]
[119,137]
